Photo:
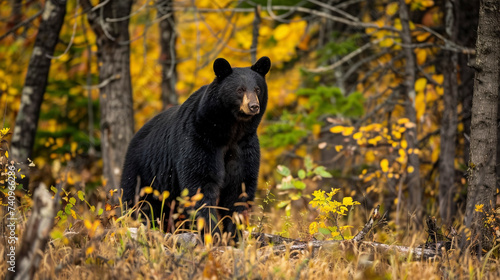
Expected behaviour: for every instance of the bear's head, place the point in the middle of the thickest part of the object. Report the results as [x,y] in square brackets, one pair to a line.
[243,91]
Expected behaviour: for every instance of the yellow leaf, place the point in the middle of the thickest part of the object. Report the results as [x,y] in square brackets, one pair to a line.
[479,208]
[403,120]
[402,153]
[7,154]
[423,36]
[197,197]
[384,165]
[146,190]
[386,43]
[421,56]
[337,129]
[165,195]
[420,84]
[357,135]
[396,134]
[313,228]
[438,78]
[316,131]
[347,201]
[88,224]
[369,157]
[348,131]
[89,250]
[420,105]
[208,239]
[391,9]
[404,144]
[73,213]
[440,90]
[71,180]
[200,223]
[410,169]
[338,148]
[281,32]
[4,131]
[74,145]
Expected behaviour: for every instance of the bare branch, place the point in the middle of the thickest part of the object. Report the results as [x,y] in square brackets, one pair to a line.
[345,58]
[21,24]
[334,9]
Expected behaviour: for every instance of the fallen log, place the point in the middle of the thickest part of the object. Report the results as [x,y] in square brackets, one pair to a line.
[282,245]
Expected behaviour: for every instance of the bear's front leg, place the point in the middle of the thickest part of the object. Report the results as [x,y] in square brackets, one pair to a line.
[200,175]
[237,196]
[206,210]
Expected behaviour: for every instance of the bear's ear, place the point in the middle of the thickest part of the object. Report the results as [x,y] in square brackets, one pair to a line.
[222,68]
[262,66]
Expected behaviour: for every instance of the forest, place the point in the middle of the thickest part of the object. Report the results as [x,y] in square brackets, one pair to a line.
[379,148]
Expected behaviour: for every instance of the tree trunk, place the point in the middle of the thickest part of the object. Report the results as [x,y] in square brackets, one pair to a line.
[467,16]
[482,166]
[167,54]
[110,23]
[449,122]
[23,138]
[413,181]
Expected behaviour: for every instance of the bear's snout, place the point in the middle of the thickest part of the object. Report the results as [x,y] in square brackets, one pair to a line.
[250,104]
[254,107]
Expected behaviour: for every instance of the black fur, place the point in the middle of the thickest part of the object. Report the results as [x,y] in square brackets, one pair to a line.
[206,143]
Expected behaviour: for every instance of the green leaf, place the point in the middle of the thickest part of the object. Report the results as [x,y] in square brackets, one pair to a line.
[308,163]
[54,189]
[302,174]
[283,203]
[299,185]
[92,209]
[295,196]
[81,195]
[100,211]
[67,209]
[56,234]
[213,218]
[333,229]
[324,231]
[72,201]
[283,170]
[320,170]
[287,185]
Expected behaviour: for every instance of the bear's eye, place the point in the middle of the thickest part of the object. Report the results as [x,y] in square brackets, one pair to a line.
[257,90]
[240,90]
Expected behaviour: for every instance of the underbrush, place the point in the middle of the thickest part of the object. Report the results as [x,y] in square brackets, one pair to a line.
[126,249]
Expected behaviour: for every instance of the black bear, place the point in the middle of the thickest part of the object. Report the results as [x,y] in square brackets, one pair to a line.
[207,144]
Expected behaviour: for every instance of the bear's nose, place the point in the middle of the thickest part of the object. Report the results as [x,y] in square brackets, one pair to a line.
[254,107]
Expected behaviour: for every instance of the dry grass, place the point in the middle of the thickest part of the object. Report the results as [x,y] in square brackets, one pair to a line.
[112,253]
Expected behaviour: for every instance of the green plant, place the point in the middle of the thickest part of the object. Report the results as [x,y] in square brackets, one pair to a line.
[294,186]
[330,212]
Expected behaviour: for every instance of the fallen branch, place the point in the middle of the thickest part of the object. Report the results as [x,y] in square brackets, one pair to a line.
[274,244]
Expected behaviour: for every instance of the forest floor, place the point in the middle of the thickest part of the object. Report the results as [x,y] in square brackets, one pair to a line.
[125,249]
